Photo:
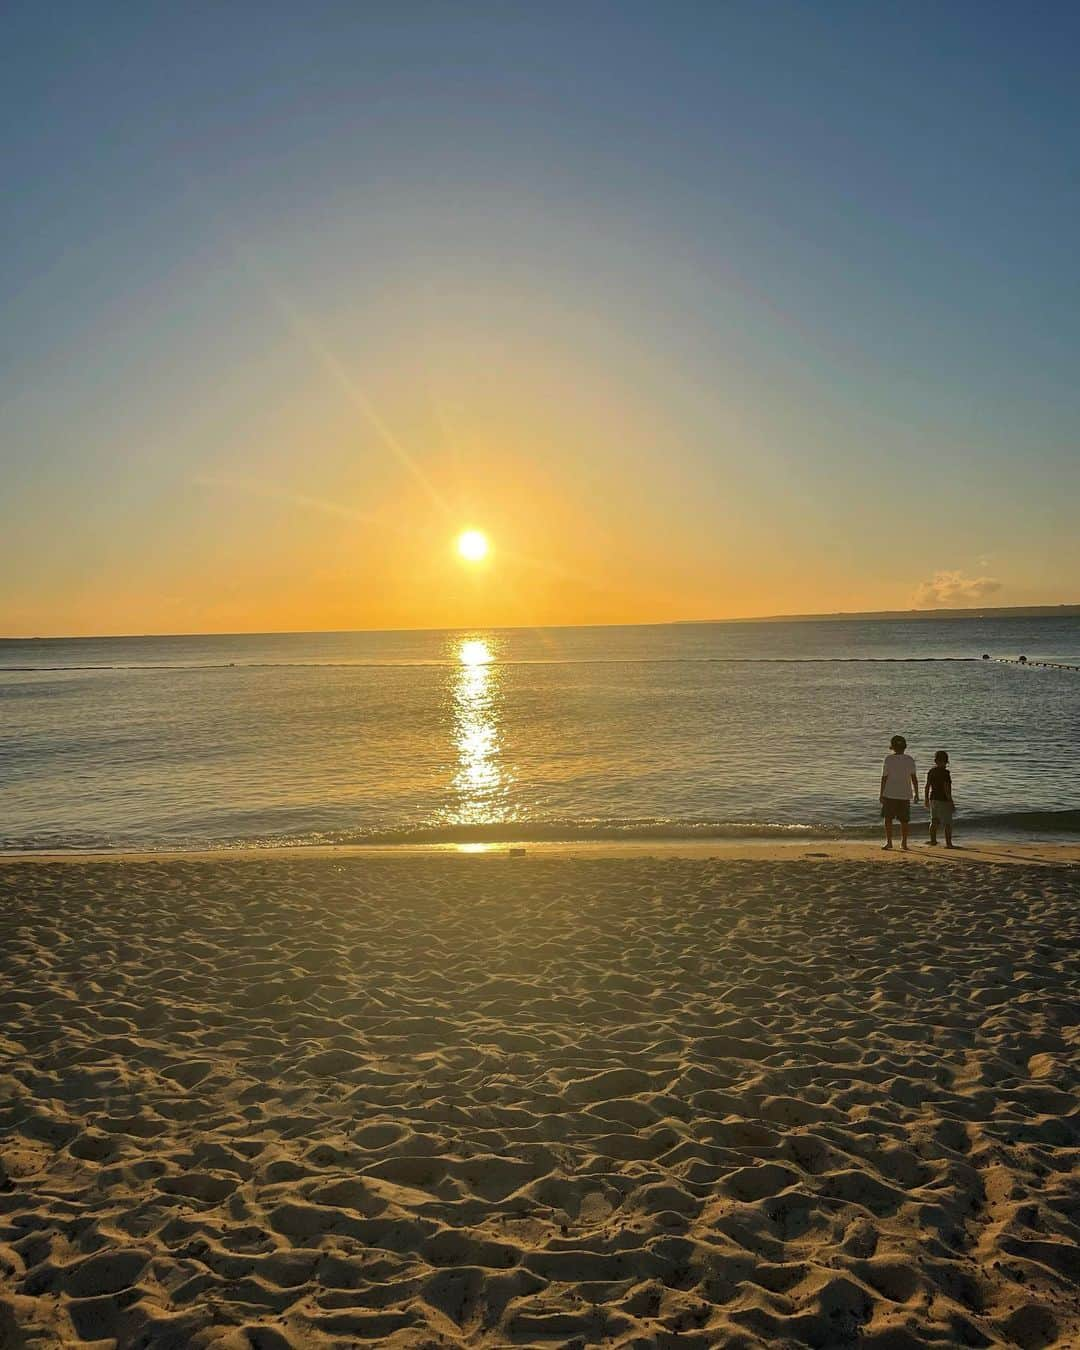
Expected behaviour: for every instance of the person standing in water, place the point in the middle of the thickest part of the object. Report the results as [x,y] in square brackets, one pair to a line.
[899,788]
[939,798]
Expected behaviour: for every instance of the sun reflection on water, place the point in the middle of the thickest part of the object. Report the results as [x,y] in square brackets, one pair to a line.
[474,652]
[478,781]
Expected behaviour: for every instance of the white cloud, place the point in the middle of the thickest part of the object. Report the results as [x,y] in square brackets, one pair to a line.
[953,589]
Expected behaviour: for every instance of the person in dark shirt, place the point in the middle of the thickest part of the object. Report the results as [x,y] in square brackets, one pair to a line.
[939,798]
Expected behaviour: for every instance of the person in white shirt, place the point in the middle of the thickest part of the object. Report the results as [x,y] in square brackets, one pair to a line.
[899,787]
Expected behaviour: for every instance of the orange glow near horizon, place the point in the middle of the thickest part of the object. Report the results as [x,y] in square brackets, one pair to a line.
[535,511]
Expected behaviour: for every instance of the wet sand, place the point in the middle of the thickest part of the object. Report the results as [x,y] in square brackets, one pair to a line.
[815,1096]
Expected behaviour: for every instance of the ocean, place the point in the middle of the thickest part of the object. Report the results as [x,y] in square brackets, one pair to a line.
[650,732]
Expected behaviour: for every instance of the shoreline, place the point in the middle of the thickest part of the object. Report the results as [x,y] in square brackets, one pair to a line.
[765,850]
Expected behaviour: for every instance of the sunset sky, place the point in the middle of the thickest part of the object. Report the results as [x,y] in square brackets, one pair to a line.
[696,310]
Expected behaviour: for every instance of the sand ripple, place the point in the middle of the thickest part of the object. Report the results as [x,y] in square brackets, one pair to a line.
[491,1102]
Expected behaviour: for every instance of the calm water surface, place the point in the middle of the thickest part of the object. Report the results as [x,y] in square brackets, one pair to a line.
[663,731]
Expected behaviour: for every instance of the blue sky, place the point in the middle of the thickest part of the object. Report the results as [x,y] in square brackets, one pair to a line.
[773,306]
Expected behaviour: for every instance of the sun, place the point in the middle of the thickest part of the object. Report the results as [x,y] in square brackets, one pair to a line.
[473,545]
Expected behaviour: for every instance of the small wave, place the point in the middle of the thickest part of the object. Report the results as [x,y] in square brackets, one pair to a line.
[1017,824]
[1027,822]
[568,831]
[560,831]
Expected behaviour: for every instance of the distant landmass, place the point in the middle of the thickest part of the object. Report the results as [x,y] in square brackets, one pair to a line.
[916,615]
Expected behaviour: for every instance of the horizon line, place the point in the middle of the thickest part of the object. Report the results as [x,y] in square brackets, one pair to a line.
[839,615]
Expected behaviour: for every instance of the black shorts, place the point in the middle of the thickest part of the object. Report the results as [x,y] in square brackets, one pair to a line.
[897,808]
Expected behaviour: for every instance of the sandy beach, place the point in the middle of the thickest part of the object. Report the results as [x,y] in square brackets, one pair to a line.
[811,1097]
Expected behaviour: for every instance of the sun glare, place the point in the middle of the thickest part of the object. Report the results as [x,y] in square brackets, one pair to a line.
[474,652]
[472,545]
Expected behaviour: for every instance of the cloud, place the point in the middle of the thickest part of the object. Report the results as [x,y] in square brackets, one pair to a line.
[954,589]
